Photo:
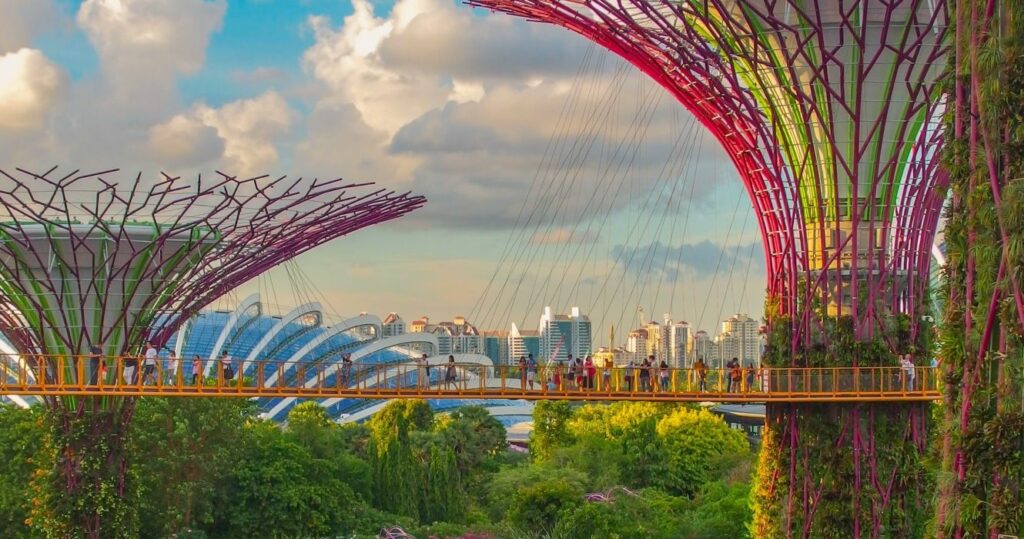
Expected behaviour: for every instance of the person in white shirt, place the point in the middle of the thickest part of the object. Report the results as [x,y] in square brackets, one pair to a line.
[149,369]
[172,368]
[908,369]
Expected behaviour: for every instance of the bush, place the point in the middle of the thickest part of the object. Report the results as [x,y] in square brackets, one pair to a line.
[539,507]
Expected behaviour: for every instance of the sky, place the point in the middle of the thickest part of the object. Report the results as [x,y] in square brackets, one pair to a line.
[555,174]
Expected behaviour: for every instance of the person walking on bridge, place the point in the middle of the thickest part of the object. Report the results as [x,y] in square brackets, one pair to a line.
[449,373]
[702,374]
[908,369]
[531,371]
[591,370]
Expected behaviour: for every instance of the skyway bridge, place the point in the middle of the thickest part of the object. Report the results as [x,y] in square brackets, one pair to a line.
[69,376]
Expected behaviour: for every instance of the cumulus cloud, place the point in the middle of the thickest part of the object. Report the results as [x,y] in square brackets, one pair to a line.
[144,44]
[347,61]
[250,128]
[184,140]
[441,37]
[23,20]
[242,135]
[656,259]
[465,106]
[30,84]
[339,143]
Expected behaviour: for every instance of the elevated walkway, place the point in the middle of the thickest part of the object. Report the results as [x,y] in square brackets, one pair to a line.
[60,376]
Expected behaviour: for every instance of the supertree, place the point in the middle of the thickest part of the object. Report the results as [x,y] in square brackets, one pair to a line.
[830,111]
[87,259]
[982,334]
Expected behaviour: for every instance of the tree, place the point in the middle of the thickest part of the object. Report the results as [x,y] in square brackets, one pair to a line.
[502,487]
[550,428]
[473,434]
[539,507]
[276,485]
[186,448]
[695,442]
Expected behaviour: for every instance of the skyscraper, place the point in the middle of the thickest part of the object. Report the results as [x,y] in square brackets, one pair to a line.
[678,342]
[522,343]
[739,338]
[561,335]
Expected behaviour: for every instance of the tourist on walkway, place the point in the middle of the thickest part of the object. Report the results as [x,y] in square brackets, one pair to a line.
[570,377]
[449,374]
[751,375]
[591,370]
[702,374]
[556,380]
[531,371]
[197,369]
[908,369]
[522,366]
[629,375]
[172,368]
[423,372]
[130,369]
[226,366]
[149,367]
[645,374]
[346,369]
[95,353]
[664,376]
[735,377]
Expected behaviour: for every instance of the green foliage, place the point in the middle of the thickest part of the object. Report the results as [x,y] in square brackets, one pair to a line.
[21,443]
[276,484]
[550,428]
[194,441]
[83,487]
[538,507]
[501,488]
[721,509]
[695,444]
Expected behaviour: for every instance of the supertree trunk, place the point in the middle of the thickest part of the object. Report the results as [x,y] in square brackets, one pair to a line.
[981,339]
[829,110]
[90,262]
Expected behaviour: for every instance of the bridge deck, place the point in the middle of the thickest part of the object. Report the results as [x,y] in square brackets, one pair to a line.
[118,377]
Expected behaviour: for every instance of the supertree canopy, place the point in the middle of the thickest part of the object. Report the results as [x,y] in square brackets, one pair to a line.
[94,260]
[85,260]
[830,111]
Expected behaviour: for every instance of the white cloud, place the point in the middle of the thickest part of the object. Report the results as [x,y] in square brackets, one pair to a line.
[22,20]
[250,128]
[346,60]
[184,140]
[144,44]
[30,85]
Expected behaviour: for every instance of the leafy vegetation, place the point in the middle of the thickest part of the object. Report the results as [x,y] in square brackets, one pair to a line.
[210,468]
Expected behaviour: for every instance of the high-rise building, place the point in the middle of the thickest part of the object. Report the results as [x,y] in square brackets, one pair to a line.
[704,348]
[636,344]
[561,335]
[455,337]
[393,325]
[522,343]
[678,339]
[496,346]
[740,339]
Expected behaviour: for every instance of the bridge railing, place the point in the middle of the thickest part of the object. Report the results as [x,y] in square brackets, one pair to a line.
[34,374]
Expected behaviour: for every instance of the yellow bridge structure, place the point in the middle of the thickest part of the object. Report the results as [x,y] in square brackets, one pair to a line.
[131,377]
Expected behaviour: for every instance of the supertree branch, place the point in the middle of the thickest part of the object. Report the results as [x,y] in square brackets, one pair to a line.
[86,259]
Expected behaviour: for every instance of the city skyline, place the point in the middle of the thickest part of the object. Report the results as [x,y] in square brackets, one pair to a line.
[324,98]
